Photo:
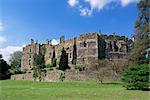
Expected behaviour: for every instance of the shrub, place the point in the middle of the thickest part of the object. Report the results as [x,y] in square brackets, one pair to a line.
[80,67]
[136,77]
[62,77]
[49,66]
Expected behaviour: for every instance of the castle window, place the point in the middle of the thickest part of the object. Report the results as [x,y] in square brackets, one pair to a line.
[83,59]
[49,54]
[29,62]
[67,48]
[70,55]
[30,50]
[29,56]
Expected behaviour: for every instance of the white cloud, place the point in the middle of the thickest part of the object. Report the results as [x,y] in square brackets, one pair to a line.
[126,2]
[7,51]
[2,39]
[73,3]
[55,42]
[96,5]
[85,11]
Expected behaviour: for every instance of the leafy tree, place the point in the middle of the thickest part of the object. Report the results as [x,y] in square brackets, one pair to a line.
[15,61]
[142,34]
[63,64]
[4,69]
[136,77]
[38,65]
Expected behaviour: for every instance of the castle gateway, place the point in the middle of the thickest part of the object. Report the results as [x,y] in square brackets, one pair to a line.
[88,48]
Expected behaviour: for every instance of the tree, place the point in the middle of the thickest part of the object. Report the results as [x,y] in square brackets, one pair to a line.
[63,64]
[74,59]
[15,61]
[4,69]
[54,60]
[38,62]
[136,77]
[142,34]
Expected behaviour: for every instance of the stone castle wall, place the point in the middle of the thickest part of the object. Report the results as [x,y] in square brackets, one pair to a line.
[90,47]
[70,75]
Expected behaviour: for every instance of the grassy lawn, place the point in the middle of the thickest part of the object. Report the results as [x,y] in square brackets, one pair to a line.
[28,90]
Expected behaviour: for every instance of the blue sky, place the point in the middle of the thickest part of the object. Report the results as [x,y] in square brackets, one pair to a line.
[21,20]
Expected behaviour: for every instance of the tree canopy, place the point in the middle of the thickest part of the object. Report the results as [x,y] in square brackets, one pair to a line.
[142,34]
[63,64]
[4,69]
[15,60]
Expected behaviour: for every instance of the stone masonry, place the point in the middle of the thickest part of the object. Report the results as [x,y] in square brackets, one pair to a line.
[89,49]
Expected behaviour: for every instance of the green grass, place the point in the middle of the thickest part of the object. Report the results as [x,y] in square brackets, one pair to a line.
[28,90]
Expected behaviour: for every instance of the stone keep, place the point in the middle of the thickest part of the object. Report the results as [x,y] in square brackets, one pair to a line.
[89,49]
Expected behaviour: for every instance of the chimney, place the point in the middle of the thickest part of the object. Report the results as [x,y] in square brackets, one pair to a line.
[32,41]
[62,39]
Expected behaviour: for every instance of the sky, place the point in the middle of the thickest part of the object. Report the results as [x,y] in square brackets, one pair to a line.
[21,20]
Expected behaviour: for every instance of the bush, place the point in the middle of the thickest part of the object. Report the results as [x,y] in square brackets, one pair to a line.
[18,72]
[54,62]
[62,77]
[80,67]
[136,77]
[49,66]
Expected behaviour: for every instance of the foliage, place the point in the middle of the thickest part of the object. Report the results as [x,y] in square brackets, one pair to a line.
[137,77]
[53,64]
[15,61]
[4,69]
[63,64]
[39,64]
[49,66]
[80,67]
[142,34]
[62,77]
[74,59]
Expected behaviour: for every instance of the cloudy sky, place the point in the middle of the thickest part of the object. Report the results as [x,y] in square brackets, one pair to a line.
[21,20]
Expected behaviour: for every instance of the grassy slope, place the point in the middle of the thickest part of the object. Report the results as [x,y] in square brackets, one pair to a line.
[28,90]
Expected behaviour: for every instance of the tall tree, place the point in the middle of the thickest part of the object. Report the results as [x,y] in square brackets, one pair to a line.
[4,69]
[63,64]
[136,76]
[142,34]
[38,64]
[54,59]
[15,61]
[74,59]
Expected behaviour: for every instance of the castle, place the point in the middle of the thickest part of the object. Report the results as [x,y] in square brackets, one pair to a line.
[89,48]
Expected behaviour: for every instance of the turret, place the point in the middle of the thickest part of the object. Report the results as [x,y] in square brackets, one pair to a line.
[62,39]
